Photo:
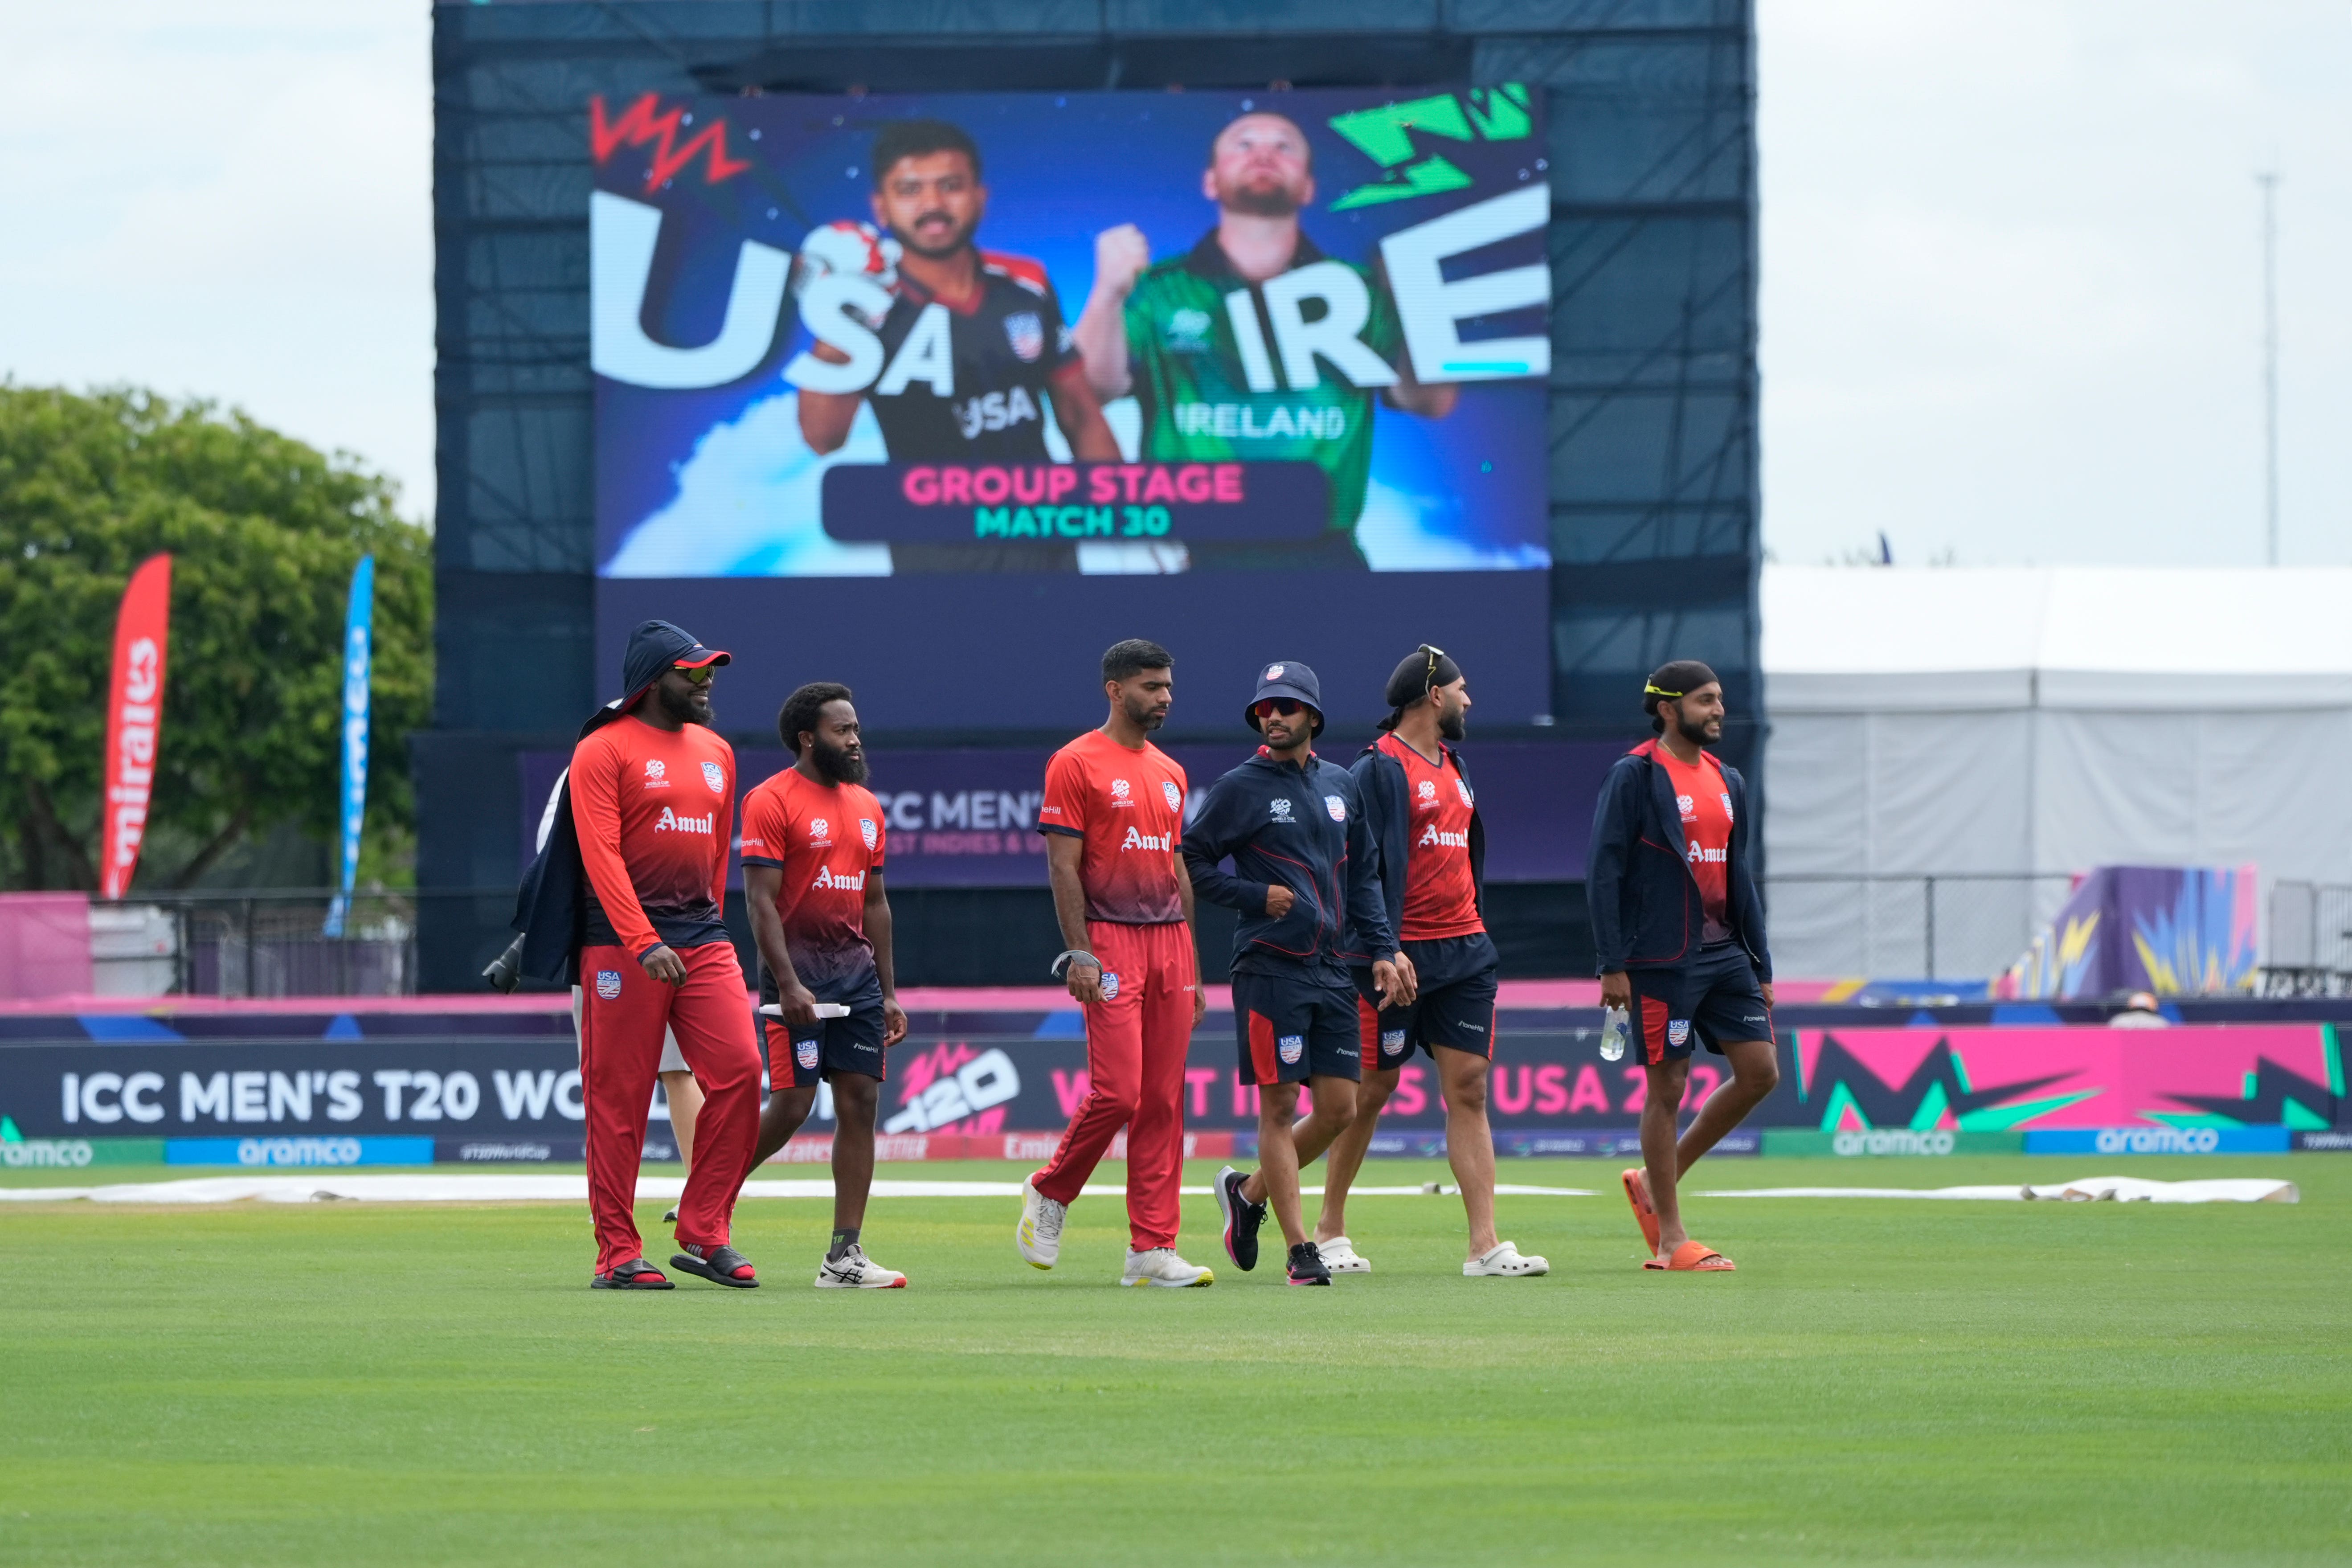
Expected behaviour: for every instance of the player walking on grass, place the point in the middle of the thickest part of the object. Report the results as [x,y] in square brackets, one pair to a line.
[814,844]
[1112,818]
[652,794]
[1679,929]
[1306,880]
[1422,814]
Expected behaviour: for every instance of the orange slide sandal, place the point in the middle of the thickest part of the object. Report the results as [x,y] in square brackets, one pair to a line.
[1695,1258]
[1643,1214]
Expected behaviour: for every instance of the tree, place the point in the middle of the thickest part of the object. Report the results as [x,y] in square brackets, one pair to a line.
[264,532]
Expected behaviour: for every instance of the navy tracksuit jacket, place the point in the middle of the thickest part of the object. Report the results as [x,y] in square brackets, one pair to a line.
[1304,829]
[1646,911]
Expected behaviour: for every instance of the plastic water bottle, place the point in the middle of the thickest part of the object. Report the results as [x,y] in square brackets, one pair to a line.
[1616,1028]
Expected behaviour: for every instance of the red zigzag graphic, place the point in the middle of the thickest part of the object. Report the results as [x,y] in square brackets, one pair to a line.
[639,124]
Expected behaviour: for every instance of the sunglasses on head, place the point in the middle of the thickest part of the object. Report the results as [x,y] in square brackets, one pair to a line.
[699,675]
[1273,705]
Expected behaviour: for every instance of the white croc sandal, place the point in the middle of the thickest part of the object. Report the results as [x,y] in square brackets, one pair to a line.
[1506,1262]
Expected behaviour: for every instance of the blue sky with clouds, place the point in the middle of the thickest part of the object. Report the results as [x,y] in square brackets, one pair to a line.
[2011,287]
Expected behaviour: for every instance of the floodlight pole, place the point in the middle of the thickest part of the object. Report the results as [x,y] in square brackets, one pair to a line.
[2269,179]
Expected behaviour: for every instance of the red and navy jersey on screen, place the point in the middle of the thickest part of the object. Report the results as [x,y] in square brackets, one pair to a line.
[1703,801]
[654,811]
[1129,806]
[826,839]
[1441,895]
[1001,348]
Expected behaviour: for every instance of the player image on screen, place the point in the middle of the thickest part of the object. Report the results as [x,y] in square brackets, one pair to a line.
[1219,375]
[974,347]
[814,842]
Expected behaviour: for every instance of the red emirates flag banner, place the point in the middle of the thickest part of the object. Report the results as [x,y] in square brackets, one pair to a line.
[134,721]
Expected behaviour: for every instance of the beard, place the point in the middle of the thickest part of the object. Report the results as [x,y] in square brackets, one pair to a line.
[1145,716]
[1276,201]
[1453,726]
[959,239]
[837,763]
[694,708]
[1696,735]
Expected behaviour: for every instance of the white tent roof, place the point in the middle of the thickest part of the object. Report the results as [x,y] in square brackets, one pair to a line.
[1841,639]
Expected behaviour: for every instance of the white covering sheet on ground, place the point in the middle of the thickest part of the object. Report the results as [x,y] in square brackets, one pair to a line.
[480,1187]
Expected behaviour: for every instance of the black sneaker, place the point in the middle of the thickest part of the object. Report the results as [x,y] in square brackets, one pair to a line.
[1242,1220]
[1307,1266]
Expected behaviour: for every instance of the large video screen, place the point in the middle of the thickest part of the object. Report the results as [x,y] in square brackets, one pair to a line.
[884,381]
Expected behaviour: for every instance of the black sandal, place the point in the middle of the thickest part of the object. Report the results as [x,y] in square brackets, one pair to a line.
[718,1265]
[636,1274]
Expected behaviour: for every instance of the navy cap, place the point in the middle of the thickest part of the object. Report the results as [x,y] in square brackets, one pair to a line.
[1287,677]
[657,646]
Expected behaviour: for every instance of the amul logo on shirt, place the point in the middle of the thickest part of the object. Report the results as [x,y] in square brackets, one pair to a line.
[1135,840]
[827,876]
[676,822]
[1700,857]
[1432,838]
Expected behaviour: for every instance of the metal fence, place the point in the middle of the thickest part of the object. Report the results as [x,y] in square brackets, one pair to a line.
[262,942]
[2308,950]
[1968,925]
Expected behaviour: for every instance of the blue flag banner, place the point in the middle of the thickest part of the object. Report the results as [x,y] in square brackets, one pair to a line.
[357,656]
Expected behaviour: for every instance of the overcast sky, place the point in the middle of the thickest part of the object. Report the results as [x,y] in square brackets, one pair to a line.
[2012,262]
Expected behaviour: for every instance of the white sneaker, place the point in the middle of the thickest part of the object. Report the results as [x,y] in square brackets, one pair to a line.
[1039,1234]
[1340,1256]
[853,1270]
[1160,1265]
[1504,1262]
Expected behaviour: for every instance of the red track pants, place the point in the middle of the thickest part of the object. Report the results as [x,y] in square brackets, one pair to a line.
[623,1011]
[1136,1044]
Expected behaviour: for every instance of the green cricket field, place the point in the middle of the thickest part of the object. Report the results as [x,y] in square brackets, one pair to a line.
[1881,1381]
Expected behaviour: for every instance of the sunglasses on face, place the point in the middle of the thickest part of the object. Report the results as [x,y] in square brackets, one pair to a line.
[700,676]
[1274,705]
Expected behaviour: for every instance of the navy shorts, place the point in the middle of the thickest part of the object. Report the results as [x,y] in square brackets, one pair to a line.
[1294,1027]
[801,1055]
[1712,999]
[1454,1008]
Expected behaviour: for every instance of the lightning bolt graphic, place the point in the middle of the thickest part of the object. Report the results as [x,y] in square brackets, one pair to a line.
[640,123]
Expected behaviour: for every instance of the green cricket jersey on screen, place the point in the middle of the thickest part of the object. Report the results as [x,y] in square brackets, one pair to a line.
[1191,378]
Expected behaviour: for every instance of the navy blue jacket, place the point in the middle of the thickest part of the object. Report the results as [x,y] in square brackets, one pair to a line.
[1303,828]
[1381,779]
[1647,912]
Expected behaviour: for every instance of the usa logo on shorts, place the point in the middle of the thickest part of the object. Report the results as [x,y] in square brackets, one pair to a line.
[608,984]
[805,1052]
[1109,986]
[1391,1042]
[867,831]
[714,776]
[1337,807]
[1174,796]
[1678,1031]
[1292,1047]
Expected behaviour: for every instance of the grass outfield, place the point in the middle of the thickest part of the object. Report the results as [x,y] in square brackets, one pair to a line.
[1881,1381]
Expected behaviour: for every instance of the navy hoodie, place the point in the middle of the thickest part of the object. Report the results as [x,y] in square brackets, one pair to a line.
[1304,829]
[550,907]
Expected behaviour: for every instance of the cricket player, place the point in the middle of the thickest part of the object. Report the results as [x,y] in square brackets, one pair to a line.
[1425,815]
[1167,334]
[814,842]
[652,792]
[1306,880]
[1112,816]
[1679,929]
[974,347]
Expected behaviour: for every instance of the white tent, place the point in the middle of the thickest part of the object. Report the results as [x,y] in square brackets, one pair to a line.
[1986,726]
